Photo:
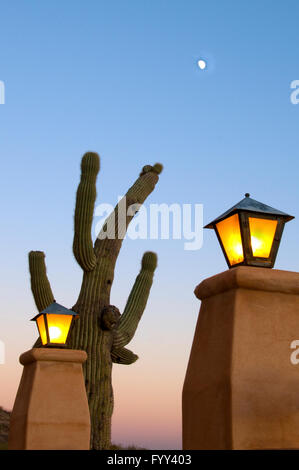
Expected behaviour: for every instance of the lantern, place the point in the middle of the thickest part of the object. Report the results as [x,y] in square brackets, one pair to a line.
[249,233]
[54,324]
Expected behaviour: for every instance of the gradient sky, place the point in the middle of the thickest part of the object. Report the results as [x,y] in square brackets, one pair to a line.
[121,78]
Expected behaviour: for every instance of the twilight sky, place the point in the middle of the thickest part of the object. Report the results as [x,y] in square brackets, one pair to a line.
[121,78]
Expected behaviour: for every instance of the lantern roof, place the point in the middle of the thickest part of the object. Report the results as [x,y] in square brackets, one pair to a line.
[57,309]
[250,205]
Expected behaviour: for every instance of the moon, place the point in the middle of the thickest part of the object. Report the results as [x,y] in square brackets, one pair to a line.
[202,64]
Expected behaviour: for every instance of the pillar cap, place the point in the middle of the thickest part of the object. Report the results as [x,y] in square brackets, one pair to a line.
[248,277]
[53,354]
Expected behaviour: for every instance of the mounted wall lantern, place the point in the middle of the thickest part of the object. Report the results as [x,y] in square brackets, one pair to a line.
[54,324]
[249,233]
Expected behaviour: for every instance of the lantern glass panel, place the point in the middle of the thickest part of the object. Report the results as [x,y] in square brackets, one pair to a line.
[262,232]
[58,326]
[230,234]
[42,329]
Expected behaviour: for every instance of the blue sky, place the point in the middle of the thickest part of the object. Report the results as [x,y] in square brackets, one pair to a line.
[121,78]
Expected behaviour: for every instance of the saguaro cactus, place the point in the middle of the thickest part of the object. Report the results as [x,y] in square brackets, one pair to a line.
[101,330]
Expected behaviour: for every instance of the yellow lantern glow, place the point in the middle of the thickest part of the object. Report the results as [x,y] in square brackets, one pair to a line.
[250,232]
[262,232]
[54,325]
[230,234]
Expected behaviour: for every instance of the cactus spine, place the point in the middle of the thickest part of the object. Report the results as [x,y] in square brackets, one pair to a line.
[100,330]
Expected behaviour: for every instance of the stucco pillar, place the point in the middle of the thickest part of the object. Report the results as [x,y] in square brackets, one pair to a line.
[241,390]
[51,408]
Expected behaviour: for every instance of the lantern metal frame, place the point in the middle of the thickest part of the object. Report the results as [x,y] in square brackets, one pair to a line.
[250,208]
[55,309]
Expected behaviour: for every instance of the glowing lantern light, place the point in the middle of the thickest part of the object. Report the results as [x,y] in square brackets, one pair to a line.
[54,324]
[249,233]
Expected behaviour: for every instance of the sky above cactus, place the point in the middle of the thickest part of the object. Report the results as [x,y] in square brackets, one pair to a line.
[122,79]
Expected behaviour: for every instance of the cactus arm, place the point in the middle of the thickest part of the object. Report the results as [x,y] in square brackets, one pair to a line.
[137,194]
[136,302]
[40,284]
[123,356]
[85,199]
